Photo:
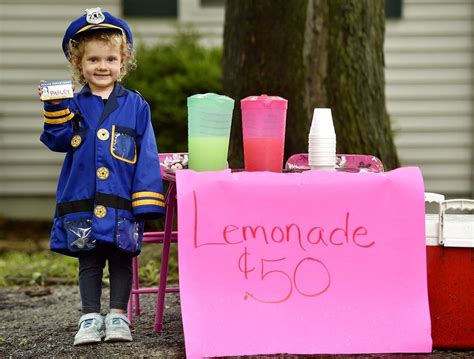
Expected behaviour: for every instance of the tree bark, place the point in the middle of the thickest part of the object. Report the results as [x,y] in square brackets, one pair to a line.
[314,53]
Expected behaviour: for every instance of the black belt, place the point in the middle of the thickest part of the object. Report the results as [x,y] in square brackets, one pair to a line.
[87,205]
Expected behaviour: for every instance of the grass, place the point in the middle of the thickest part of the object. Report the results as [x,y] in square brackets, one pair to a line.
[26,260]
[47,268]
[44,267]
[149,265]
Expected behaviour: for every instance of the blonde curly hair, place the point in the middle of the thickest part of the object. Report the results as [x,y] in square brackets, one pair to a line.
[77,46]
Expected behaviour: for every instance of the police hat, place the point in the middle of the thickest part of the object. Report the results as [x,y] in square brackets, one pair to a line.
[95,19]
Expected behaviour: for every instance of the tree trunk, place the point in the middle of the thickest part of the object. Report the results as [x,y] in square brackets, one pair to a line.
[314,53]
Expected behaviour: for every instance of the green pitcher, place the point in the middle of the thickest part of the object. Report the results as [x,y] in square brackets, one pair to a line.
[209,123]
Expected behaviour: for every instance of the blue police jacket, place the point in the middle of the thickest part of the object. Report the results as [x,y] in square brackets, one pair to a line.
[110,181]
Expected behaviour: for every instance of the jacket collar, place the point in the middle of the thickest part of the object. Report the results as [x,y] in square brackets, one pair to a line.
[118,90]
[112,102]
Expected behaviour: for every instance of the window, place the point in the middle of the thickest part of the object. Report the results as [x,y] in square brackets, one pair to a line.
[216,3]
[150,8]
[393,9]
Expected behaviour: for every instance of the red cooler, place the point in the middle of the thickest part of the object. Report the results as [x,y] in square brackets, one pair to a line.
[450,260]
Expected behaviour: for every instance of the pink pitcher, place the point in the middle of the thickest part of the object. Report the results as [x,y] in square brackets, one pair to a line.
[263,126]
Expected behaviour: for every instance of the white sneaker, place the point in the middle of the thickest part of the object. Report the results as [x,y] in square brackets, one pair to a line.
[117,328]
[90,329]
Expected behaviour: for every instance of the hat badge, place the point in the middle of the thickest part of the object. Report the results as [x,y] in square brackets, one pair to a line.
[94,15]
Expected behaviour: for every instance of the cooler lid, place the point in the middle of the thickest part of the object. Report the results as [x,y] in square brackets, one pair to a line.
[456,229]
[433,197]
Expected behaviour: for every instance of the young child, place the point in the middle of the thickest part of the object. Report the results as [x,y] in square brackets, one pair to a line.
[110,180]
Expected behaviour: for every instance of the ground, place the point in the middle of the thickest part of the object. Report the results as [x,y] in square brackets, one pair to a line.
[43,326]
[40,322]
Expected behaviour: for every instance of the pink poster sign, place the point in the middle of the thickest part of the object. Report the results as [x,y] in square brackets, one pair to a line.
[305,263]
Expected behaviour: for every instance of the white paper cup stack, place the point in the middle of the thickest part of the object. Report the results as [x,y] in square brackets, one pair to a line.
[322,141]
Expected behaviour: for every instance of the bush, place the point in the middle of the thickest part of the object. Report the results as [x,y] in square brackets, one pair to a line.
[166,76]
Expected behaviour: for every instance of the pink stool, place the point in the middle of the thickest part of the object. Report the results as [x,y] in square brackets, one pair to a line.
[165,238]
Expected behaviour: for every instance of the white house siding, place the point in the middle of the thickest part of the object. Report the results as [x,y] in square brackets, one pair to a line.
[429,87]
[429,76]
[30,50]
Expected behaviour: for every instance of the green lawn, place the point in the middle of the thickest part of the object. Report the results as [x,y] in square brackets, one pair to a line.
[47,268]
[26,260]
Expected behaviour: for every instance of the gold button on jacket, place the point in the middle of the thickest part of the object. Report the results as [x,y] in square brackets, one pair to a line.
[103,134]
[103,173]
[76,141]
[100,211]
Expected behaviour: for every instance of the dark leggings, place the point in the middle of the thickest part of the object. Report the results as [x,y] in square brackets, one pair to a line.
[91,265]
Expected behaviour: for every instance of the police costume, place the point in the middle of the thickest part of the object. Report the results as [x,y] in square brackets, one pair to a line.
[110,180]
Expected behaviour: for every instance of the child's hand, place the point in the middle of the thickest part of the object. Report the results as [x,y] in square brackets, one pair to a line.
[39,87]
